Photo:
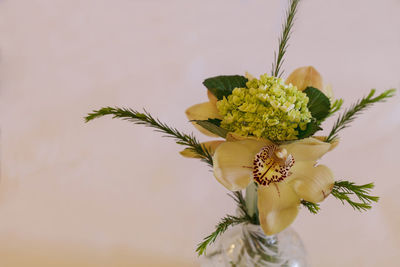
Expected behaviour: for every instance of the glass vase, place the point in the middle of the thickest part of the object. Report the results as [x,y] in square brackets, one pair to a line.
[246,245]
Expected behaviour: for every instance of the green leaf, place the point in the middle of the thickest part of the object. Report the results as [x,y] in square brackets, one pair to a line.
[215,121]
[312,128]
[213,125]
[319,105]
[221,86]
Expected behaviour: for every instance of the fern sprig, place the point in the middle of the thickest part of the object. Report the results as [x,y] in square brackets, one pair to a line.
[312,207]
[342,190]
[284,38]
[220,228]
[148,120]
[350,114]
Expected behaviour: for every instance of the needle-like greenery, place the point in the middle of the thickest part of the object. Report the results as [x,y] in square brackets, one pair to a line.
[148,120]
[284,38]
[230,220]
[189,141]
[350,114]
[312,207]
[335,107]
[220,228]
[342,190]
[237,196]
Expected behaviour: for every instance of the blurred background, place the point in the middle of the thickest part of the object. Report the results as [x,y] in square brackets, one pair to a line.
[109,193]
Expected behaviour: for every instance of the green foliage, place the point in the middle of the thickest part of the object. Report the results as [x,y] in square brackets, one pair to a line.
[237,196]
[312,207]
[312,128]
[223,85]
[148,120]
[229,220]
[217,122]
[213,125]
[350,114]
[342,190]
[335,107]
[319,105]
[284,38]
[220,228]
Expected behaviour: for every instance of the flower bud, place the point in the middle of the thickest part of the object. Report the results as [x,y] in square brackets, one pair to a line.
[304,77]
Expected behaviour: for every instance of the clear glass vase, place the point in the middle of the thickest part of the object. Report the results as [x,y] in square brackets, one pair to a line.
[246,245]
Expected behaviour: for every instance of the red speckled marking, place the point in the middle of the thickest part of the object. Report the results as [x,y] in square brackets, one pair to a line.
[267,168]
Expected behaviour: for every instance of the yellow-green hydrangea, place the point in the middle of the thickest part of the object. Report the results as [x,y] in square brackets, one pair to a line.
[267,108]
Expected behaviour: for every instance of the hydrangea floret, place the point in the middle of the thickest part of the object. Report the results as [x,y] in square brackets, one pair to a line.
[267,108]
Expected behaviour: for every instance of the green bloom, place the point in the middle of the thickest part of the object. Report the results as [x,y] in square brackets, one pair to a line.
[267,108]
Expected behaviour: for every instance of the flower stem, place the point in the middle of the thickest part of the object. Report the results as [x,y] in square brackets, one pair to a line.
[251,200]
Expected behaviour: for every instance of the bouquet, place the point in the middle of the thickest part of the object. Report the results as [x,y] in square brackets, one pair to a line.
[268,143]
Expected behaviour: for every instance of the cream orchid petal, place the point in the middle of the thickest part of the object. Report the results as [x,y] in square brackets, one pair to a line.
[203,111]
[233,163]
[213,99]
[311,183]
[308,149]
[210,145]
[334,143]
[305,76]
[278,206]
[327,90]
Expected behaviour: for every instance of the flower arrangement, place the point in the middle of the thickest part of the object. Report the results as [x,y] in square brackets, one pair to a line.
[268,143]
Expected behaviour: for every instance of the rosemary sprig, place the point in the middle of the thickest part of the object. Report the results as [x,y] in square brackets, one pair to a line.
[343,189]
[351,113]
[148,120]
[220,228]
[312,207]
[284,38]
[335,107]
[237,196]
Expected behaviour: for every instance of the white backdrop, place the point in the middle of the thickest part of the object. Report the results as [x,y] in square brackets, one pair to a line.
[112,194]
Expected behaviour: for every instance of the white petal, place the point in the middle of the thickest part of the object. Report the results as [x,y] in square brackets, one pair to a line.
[278,206]
[308,149]
[327,90]
[311,183]
[334,143]
[233,163]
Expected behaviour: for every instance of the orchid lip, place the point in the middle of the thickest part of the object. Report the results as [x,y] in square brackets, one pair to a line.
[271,165]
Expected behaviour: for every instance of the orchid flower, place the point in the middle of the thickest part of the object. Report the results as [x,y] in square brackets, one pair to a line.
[284,174]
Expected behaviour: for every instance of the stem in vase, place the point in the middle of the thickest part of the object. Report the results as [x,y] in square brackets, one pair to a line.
[251,201]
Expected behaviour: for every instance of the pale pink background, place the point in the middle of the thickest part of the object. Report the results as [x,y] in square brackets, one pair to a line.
[112,194]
